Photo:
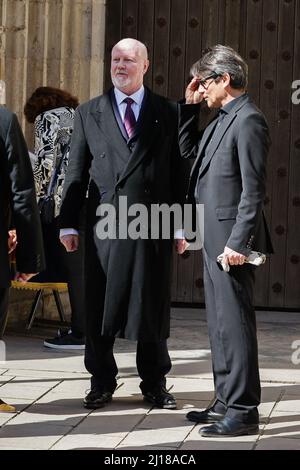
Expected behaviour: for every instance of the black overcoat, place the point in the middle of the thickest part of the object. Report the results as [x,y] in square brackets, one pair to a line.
[17,198]
[128,281]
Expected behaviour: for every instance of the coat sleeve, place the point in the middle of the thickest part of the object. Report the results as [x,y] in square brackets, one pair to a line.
[252,146]
[180,170]
[25,214]
[77,176]
[189,136]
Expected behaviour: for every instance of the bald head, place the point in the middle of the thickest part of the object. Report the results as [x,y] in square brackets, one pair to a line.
[129,63]
[132,44]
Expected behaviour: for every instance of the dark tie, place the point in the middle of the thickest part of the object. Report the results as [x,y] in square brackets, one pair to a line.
[129,117]
[221,115]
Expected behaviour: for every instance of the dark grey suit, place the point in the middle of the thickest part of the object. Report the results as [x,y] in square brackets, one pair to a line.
[228,177]
[17,198]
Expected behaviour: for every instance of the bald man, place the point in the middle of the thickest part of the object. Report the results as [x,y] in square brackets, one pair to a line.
[124,144]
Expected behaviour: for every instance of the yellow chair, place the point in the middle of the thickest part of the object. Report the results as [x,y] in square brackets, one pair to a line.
[39,287]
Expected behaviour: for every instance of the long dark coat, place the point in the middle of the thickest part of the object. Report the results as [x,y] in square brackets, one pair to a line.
[17,198]
[127,281]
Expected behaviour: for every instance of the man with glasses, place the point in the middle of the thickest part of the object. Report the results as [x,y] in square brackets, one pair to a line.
[228,177]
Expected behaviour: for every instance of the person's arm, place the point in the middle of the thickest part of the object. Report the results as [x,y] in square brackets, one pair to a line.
[69,237]
[12,241]
[42,178]
[189,135]
[180,170]
[29,250]
[252,147]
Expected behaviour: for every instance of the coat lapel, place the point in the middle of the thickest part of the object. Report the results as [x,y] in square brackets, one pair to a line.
[118,116]
[106,120]
[203,141]
[218,136]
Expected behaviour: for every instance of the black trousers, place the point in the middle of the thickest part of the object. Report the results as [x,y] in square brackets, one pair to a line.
[4,292]
[152,359]
[62,266]
[232,332]
[73,264]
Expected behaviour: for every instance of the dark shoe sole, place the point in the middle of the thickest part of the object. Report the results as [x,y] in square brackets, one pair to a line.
[64,346]
[95,405]
[251,430]
[171,406]
[206,421]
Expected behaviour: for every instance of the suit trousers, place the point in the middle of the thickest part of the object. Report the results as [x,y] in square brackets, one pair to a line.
[232,332]
[3,309]
[152,359]
[74,267]
[63,266]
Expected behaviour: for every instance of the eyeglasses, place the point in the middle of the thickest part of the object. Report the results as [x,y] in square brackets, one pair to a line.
[203,81]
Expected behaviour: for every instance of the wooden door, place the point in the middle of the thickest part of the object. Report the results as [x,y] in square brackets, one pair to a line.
[267,34]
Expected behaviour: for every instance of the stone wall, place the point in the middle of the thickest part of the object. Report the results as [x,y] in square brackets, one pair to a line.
[49,42]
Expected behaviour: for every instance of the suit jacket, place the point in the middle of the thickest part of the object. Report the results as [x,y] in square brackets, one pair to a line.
[229,178]
[17,196]
[133,276]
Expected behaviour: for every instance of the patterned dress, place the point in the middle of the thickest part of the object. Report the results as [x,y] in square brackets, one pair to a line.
[53,131]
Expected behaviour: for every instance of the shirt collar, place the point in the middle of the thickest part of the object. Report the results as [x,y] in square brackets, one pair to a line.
[137,96]
[228,107]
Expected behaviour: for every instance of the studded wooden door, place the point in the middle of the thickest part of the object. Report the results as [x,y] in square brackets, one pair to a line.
[266,33]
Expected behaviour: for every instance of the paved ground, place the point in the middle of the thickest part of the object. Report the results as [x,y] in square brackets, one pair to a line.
[48,386]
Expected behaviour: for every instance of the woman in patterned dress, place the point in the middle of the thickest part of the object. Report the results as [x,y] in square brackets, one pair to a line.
[52,112]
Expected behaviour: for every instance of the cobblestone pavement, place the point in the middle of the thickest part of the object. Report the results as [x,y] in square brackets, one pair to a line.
[47,388]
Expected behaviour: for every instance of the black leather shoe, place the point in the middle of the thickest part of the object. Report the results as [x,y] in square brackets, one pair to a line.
[229,427]
[206,416]
[161,399]
[96,399]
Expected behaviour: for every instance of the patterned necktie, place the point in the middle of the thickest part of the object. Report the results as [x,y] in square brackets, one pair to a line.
[129,117]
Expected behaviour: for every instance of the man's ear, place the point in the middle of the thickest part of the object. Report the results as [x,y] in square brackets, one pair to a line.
[146,66]
[225,79]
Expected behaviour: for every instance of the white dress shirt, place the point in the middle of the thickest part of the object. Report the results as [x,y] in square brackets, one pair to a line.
[137,97]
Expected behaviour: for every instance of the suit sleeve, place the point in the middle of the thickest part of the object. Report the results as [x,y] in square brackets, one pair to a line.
[252,146]
[77,176]
[189,136]
[25,214]
[180,171]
